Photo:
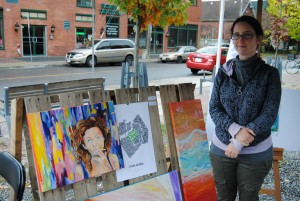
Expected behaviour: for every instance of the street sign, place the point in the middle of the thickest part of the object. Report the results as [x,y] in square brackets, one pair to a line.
[67,24]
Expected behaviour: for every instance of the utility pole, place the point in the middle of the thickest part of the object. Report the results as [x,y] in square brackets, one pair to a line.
[241,7]
[93,35]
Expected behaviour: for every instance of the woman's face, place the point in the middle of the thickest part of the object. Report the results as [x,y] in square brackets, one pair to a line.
[94,141]
[245,47]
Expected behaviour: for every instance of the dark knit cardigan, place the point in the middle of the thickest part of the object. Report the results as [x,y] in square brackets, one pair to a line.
[254,104]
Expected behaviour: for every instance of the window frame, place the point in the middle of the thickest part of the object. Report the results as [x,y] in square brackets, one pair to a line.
[86,32]
[194,2]
[112,21]
[188,28]
[84,6]
[83,15]
[29,11]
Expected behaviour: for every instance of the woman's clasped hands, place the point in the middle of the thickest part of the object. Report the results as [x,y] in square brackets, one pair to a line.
[245,136]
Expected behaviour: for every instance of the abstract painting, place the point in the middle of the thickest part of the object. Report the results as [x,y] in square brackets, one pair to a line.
[161,188]
[192,150]
[136,139]
[74,144]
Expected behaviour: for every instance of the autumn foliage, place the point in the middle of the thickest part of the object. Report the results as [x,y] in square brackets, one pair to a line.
[285,19]
[156,12]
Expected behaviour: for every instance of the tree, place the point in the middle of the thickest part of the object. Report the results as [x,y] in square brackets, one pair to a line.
[155,12]
[286,19]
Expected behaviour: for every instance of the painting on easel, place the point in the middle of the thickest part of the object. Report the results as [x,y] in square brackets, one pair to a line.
[161,188]
[74,144]
[193,151]
[136,139]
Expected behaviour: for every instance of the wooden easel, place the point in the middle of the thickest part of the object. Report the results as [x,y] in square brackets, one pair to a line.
[276,192]
[88,188]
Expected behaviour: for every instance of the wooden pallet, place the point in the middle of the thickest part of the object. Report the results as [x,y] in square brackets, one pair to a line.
[88,188]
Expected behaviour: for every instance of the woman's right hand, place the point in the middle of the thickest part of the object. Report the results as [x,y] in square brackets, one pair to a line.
[245,136]
[100,153]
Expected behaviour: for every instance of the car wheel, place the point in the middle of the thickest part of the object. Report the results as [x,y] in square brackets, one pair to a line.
[163,61]
[179,60]
[89,61]
[129,60]
[194,71]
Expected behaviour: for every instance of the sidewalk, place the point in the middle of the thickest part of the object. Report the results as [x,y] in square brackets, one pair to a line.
[28,62]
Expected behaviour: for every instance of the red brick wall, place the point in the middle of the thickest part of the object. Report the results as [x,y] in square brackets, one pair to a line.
[211,30]
[57,12]
[194,17]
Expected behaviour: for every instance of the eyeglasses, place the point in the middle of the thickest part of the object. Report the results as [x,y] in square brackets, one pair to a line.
[244,36]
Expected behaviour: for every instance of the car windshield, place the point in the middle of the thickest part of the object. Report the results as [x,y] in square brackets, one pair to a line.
[88,44]
[177,49]
[207,50]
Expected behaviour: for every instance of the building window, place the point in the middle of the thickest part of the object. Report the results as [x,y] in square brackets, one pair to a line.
[184,35]
[83,35]
[193,2]
[1,30]
[131,34]
[84,3]
[84,18]
[112,27]
[34,14]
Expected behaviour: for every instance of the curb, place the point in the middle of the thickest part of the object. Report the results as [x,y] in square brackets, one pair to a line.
[31,64]
[51,63]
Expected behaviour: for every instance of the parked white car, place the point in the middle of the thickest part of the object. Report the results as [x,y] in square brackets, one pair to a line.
[178,54]
[105,51]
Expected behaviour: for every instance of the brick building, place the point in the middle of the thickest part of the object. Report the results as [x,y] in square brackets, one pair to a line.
[210,16]
[53,27]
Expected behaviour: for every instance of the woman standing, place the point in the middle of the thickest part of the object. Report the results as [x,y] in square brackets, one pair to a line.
[243,105]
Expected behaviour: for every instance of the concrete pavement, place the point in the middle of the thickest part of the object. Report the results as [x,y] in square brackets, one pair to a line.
[28,62]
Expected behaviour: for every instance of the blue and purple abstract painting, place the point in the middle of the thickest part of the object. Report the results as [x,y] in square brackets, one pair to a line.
[73,144]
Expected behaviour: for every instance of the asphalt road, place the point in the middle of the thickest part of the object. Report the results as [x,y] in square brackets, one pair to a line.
[45,74]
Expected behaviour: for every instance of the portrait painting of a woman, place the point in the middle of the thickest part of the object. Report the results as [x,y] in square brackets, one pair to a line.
[91,139]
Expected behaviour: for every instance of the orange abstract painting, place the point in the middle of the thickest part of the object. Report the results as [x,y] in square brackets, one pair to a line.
[192,150]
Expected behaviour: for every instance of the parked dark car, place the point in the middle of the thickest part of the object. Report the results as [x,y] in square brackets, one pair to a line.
[205,59]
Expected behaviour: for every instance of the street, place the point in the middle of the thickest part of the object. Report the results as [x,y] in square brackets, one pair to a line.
[44,74]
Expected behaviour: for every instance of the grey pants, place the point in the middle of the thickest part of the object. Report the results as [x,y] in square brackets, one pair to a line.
[232,175]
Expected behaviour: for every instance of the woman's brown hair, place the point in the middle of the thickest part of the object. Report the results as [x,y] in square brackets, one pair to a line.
[77,132]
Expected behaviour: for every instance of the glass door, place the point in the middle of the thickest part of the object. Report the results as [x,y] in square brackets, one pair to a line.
[157,41]
[34,40]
